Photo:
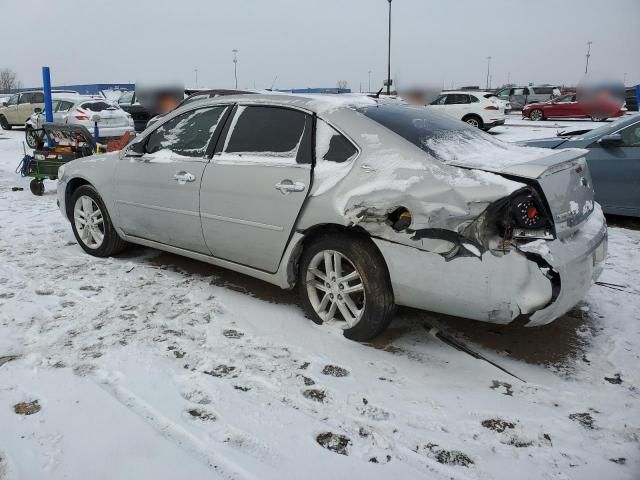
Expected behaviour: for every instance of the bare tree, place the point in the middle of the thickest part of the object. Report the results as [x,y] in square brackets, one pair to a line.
[8,80]
[342,84]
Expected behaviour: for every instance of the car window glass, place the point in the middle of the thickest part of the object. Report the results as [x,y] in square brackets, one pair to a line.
[456,99]
[564,99]
[331,145]
[631,136]
[525,91]
[440,100]
[518,91]
[270,133]
[544,90]
[55,105]
[25,98]
[187,134]
[64,106]
[37,97]
[126,98]
[13,100]
[473,99]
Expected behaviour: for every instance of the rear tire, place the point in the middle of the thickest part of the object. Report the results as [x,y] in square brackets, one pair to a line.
[92,224]
[474,121]
[360,287]
[4,123]
[598,118]
[31,137]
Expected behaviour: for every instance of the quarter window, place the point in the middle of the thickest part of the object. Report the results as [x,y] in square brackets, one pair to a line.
[331,145]
[631,136]
[64,106]
[13,100]
[278,134]
[187,134]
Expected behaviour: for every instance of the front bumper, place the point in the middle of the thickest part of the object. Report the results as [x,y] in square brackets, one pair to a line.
[500,288]
[494,123]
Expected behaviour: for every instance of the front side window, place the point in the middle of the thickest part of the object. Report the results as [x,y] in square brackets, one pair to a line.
[13,100]
[64,106]
[25,98]
[331,145]
[440,100]
[631,136]
[270,133]
[187,134]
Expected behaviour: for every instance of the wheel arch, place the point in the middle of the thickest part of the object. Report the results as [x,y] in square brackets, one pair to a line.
[316,231]
[72,186]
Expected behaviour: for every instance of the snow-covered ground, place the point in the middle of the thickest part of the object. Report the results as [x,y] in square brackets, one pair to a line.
[150,366]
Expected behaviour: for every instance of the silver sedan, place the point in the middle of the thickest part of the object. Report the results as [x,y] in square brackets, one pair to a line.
[360,203]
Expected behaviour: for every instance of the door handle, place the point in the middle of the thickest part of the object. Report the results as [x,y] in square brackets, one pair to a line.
[184,177]
[287,186]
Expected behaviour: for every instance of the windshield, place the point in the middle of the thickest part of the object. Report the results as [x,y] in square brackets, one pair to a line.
[609,128]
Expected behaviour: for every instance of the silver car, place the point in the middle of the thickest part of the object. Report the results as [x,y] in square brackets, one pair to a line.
[360,203]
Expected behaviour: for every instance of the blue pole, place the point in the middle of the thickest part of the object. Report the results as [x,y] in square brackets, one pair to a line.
[48,103]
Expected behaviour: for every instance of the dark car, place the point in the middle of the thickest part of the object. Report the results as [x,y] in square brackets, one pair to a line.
[140,114]
[200,95]
[614,162]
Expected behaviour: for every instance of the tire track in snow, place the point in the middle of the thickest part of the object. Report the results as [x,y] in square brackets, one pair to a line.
[171,431]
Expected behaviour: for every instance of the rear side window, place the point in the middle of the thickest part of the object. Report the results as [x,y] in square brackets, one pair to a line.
[544,90]
[37,97]
[456,99]
[331,145]
[270,133]
[186,135]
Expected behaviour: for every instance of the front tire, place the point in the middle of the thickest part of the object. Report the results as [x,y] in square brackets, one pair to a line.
[4,123]
[536,115]
[343,280]
[92,225]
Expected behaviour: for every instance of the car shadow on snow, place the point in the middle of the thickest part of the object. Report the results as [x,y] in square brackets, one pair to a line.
[556,345]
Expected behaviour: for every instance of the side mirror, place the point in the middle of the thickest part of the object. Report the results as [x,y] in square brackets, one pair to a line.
[612,140]
[4,104]
[37,110]
[95,118]
[135,149]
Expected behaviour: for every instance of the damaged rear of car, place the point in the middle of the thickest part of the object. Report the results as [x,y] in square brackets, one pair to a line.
[468,225]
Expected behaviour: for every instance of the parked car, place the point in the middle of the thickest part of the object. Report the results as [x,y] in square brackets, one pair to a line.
[518,97]
[568,106]
[614,162]
[113,122]
[631,98]
[201,95]
[140,114]
[474,108]
[20,106]
[504,104]
[362,204]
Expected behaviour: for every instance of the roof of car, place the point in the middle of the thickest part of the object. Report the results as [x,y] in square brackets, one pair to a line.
[317,103]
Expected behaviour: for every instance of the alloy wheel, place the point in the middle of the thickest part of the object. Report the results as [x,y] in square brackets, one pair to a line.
[473,122]
[89,222]
[335,289]
[535,115]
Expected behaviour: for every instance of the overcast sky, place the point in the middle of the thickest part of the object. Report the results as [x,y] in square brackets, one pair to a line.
[314,43]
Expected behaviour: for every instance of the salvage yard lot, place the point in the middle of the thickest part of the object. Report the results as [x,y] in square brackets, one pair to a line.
[182,370]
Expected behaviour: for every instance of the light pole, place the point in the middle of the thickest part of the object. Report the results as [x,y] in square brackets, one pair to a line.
[389,55]
[235,65]
[488,67]
[196,72]
[586,67]
[369,72]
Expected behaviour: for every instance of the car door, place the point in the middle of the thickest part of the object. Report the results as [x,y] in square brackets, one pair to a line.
[615,172]
[256,184]
[519,97]
[11,111]
[158,180]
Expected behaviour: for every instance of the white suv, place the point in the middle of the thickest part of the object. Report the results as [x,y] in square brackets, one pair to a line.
[471,107]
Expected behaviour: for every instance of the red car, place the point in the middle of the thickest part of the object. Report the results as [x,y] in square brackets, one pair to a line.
[598,109]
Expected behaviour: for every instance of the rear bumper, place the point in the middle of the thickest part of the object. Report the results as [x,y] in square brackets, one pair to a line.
[499,288]
[111,132]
